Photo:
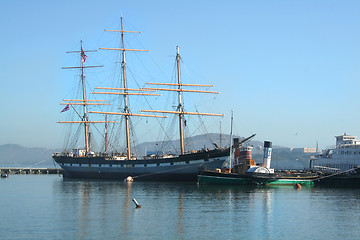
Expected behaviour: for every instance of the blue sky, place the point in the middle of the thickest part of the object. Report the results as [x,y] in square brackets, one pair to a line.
[289,70]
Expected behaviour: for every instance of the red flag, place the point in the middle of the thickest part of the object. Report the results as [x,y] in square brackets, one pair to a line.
[83,56]
[66,108]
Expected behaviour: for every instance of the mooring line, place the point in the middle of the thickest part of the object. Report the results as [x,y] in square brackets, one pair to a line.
[337,173]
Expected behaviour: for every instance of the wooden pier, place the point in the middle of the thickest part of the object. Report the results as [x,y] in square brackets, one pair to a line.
[30,170]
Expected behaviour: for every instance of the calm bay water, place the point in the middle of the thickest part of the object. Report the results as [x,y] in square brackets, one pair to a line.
[48,207]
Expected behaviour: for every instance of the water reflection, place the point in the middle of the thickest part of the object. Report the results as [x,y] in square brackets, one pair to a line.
[266,210]
[180,219]
[98,209]
[94,205]
[126,207]
[249,209]
[57,209]
[84,213]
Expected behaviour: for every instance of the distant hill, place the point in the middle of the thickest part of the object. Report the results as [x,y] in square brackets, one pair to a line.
[17,155]
[282,157]
[191,143]
[286,160]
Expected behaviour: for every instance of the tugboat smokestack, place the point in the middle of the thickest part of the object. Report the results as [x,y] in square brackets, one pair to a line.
[267,154]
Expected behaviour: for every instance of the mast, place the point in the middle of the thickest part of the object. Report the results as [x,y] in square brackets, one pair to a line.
[85,117]
[125,92]
[180,106]
[126,111]
[126,107]
[106,134]
[220,135]
[231,144]
[84,101]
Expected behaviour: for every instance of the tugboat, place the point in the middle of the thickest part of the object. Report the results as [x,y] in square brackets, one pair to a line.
[265,175]
[236,175]
[246,172]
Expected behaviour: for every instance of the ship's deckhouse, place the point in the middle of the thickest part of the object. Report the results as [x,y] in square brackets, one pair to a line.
[346,141]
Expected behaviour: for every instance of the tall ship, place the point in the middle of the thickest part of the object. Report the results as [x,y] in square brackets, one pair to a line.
[119,164]
[345,156]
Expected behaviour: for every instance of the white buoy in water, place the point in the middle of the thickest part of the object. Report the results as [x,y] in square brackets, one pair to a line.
[129,179]
[136,203]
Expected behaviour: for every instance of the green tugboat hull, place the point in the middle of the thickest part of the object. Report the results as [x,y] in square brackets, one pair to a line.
[221,178]
[285,178]
[290,182]
[275,179]
[203,179]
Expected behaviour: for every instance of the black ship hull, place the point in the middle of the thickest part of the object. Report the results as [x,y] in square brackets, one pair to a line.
[342,180]
[180,168]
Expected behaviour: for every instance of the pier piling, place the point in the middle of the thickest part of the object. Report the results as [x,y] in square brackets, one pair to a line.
[29,170]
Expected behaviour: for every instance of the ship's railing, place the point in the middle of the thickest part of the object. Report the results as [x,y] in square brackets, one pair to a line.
[71,154]
[121,156]
[59,154]
[348,146]
[326,169]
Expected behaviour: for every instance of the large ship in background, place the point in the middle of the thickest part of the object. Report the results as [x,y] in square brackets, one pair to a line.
[120,164]
[339,165]
[345,156]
